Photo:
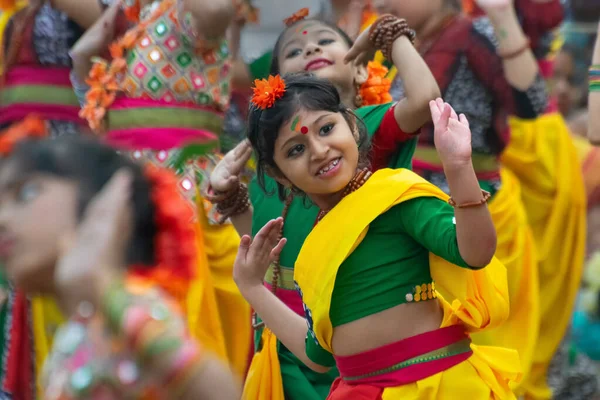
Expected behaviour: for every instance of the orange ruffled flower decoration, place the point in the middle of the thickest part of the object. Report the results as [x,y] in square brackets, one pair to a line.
[175,241]
[295,17]
[376,89]
[246,11]
[132,12]
[104,77]
[31,127]
[266,91]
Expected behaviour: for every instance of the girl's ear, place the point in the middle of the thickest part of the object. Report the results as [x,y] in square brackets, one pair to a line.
[353,123]
[360,74]
[278,176]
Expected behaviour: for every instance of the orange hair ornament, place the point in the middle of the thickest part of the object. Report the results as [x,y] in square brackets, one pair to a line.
[31,127]
[267,91]
[376,89]
[295,17]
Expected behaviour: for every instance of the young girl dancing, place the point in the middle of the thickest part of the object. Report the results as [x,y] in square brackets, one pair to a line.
[384,248]
[82,224]
[324,50]
[168,85]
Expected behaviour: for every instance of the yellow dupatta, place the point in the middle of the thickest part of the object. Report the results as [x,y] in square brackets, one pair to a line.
[476,299]
[542,156]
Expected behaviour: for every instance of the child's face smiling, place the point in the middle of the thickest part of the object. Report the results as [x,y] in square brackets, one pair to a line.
[317,152]
[315,47]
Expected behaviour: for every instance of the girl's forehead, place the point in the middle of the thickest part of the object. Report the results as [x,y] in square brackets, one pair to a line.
[304,28]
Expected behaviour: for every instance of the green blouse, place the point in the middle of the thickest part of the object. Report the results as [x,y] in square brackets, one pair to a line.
[390,263]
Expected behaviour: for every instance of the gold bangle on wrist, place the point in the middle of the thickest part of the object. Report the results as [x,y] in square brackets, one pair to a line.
[485,197]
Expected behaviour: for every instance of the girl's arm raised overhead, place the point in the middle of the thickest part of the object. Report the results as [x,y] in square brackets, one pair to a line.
[412,112]
[475,232]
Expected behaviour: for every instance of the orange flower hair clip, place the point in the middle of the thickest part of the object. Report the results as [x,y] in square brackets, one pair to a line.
[31,127]
[266,91]
[295,17]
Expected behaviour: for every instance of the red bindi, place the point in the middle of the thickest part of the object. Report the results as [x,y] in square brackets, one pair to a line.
[304,130]
[304,33]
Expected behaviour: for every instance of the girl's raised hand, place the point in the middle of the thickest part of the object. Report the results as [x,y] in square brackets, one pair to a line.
[452,136]
[362,51]
[255,255]
[225,176]
[94,256]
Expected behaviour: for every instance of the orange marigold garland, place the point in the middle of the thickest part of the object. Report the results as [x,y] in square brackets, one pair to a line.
[376,89]
[266,91]
[297,16]
[31,127]
[104,77]
[175,242]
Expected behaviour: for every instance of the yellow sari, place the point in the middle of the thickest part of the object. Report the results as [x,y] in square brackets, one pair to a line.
[516,250]
[542,156]
[476,299]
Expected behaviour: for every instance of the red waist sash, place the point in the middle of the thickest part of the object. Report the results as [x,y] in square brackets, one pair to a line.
[408,360]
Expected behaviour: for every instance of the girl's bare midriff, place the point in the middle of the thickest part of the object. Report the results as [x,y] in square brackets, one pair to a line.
[385,327]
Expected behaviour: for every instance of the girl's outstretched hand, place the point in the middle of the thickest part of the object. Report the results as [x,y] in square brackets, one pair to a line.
[452,136]
[255,255]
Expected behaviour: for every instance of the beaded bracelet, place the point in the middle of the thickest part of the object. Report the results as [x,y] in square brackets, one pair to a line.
[384,32]
[237,202]
[594,78]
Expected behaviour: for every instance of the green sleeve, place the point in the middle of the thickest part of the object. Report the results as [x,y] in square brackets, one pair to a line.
[430,222]
[372,116]
[317,354]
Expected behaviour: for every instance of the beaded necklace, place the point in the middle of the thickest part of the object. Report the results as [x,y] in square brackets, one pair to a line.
[356,183]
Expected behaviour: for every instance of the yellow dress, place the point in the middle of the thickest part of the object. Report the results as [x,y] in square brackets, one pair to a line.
[476,299]
[516,250]
[542,156]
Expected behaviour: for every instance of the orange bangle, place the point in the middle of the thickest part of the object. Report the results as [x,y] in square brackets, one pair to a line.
[515,53]
[484,199]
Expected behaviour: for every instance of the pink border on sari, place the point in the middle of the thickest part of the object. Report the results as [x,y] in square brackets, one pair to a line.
[163,138]
[29,75]
[392,354]
[420,165]
[291,298]
[122,103]
[156,138]
[16,112]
